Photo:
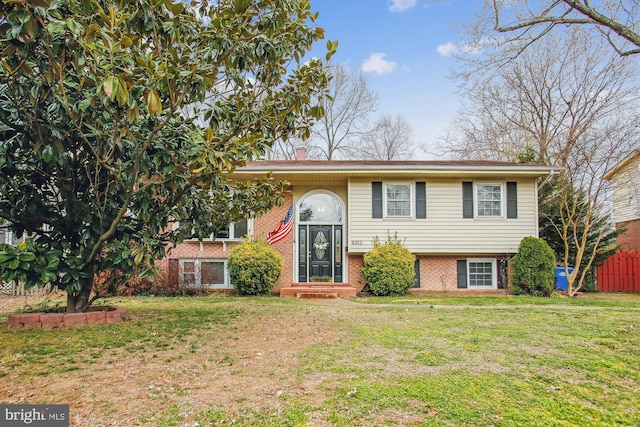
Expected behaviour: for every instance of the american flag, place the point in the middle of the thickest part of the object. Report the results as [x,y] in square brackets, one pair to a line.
[283,229]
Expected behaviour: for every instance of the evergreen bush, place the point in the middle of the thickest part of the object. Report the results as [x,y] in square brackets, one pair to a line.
[534,268]
[389,268]
[254,267]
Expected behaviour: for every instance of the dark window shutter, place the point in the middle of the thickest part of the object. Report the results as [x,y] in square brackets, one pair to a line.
[462,273]
[503,272]
[512,200]
[421,200]
[467,199]
[416,268]
[376,201]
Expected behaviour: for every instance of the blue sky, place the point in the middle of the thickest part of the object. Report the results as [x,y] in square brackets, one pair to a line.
[403,46]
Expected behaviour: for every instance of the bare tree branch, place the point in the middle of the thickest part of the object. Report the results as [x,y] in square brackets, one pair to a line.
[390,138]
[551,99]
[347,112]
[618,21]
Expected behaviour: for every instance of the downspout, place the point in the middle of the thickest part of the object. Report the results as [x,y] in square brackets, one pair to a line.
[551,173]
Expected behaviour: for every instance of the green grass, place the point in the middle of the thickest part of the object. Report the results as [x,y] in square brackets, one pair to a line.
[397,361]
[588,300]
[505,367]
[157,324]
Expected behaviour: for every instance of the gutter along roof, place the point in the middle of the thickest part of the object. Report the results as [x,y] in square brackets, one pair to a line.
[323,171]
[614,171]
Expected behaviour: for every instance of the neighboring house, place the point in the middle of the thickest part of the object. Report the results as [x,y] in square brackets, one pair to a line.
[625,180]
[7,236]
[463,220]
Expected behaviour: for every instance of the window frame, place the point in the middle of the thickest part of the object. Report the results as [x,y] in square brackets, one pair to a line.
[198,273]
[230,230]
[309,195]
[7,236]
[477,201]
[411,197]
[494,273]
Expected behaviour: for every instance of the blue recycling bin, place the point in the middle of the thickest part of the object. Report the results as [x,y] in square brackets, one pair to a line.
[562,283]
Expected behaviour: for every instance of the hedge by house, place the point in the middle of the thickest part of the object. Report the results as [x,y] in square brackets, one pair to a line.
[389,268]
[254,267]
[533,268]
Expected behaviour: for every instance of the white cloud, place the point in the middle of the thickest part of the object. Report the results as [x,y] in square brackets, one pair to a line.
[447,49]
[474,48]
[401,5]
[479,46]
[377,64]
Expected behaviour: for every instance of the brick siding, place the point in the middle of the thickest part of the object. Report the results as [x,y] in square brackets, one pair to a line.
[356,279]
[630,239]
[438,273]
[219,250]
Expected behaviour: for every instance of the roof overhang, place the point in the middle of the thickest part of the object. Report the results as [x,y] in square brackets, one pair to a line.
[621,165]
[319,171]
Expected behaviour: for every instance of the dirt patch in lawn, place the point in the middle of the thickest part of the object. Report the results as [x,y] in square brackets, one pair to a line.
[251,365]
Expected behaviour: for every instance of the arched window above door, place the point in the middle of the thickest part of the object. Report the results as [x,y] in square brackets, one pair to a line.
[321,207]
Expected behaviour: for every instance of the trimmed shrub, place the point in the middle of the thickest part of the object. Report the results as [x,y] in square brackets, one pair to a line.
[534,268]
[254,267]
[389,268]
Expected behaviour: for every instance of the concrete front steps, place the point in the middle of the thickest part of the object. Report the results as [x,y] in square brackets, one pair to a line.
[324,290]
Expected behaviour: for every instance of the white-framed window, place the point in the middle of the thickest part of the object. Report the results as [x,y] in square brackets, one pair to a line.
[489,200]
[481,273]
[203,273]
[398,200]
[7,236]
[320,206]
[235,231]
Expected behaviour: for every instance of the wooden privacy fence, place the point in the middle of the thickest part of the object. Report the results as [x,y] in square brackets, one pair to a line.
[620,273]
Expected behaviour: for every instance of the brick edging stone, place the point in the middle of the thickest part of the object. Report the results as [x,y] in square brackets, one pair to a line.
[95,316]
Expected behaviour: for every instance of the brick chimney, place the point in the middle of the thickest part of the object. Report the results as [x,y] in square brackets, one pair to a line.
[301,153]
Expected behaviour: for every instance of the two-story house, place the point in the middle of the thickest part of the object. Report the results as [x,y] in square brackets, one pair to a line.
[461,219]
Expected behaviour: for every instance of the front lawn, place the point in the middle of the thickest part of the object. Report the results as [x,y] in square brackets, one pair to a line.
[410,361]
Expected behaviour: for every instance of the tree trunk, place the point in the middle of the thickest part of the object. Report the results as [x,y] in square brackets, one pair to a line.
[79,303]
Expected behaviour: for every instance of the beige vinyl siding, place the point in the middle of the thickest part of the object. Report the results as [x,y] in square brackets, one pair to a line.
[444,231]
[626,192]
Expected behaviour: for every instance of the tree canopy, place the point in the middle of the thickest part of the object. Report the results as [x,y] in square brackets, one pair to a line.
[121,119]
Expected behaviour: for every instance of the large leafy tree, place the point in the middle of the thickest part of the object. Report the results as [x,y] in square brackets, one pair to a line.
[118,118]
